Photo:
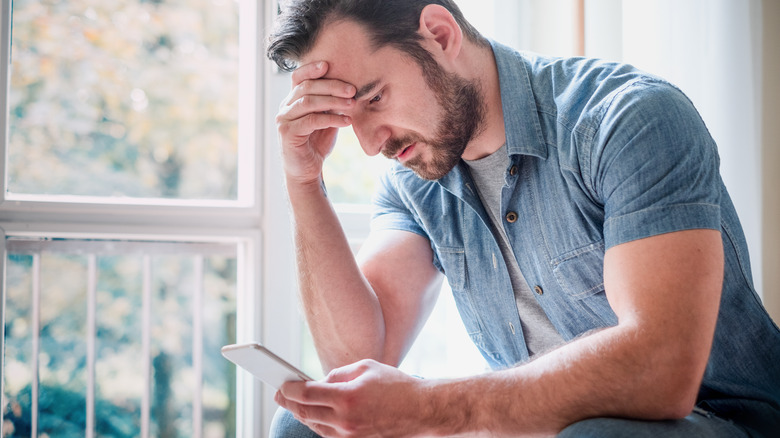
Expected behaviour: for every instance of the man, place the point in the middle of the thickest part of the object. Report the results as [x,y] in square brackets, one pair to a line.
[575,208]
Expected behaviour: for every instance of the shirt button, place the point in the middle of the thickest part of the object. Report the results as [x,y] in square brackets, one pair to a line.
[511,217]
[513,170]
[538,290]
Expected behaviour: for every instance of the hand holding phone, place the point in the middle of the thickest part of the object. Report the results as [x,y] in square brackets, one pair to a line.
[263,364]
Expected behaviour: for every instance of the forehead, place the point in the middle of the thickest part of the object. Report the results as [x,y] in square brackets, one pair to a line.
[351,57]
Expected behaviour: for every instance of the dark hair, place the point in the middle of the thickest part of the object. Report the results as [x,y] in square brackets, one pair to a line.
[388,22]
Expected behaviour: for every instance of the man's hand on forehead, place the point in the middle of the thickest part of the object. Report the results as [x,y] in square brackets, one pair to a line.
[311,77]
[309,118]
[313,93]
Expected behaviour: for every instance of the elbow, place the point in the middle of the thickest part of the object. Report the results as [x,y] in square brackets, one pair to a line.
[670,382]
[670,404]
[679,405]
[676,393]
[672,375]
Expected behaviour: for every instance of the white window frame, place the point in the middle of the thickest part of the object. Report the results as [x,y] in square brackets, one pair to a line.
[257,221]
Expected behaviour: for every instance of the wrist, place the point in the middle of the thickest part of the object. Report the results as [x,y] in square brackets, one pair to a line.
[451,410]
[306,187]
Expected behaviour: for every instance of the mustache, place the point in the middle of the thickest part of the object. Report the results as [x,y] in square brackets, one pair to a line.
[395,145]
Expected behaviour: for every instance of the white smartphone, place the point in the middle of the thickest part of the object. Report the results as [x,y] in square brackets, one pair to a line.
[263,364]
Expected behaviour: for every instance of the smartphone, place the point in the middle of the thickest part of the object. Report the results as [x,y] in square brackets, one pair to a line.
[263,364]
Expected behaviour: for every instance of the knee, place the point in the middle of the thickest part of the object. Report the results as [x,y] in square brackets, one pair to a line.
[593,428]
[284,425]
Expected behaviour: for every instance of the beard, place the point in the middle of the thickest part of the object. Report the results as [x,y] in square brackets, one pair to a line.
[463,113]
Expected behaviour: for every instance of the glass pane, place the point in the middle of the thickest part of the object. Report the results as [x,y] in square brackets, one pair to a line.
[63,346]
[119,379]
[135,98]
[219,375]
[18,361]
[443,348]
[181,276]
[171,354]
[350,175]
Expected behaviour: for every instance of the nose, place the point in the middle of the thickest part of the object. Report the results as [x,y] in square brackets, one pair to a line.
[371,134]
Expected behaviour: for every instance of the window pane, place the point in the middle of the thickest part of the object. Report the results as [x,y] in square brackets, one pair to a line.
[63,342]
[171,353]
[119,384]
[136,98]
[18,360]
[186,292]
[219,321]
[350,175]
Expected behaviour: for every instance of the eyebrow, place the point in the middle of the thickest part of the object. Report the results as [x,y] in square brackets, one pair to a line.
[365,89]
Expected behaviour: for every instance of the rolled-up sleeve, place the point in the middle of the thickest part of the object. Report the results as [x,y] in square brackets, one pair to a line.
[655,166]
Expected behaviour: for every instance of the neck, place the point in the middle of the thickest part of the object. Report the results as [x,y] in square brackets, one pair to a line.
[480,66]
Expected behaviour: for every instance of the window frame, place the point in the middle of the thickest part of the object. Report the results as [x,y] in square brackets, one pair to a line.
[257,221]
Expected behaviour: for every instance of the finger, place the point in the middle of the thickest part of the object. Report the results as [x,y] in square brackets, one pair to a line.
[315,104]
[312,416]
[308,413]
[323,430]
[308,124]
[312,70]
[322,87]
[310,392]
[348,373]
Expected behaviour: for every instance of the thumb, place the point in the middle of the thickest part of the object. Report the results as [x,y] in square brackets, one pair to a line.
[349,372]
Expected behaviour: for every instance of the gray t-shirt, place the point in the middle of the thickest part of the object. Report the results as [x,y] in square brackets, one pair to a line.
[489,177]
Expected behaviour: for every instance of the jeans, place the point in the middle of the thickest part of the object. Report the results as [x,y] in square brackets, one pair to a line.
[698,424]
[284,425]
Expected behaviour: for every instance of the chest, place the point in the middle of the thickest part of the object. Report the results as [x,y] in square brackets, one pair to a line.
[555,230]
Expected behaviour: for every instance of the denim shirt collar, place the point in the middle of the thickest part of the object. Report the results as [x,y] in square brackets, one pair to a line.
[521,121]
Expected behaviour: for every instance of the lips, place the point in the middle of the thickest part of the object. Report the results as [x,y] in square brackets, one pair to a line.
[406,153]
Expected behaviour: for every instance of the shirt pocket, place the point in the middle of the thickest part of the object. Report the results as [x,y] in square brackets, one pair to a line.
[453,262]
[580,275]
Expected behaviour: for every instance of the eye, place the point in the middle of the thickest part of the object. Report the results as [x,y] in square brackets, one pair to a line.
[376,98]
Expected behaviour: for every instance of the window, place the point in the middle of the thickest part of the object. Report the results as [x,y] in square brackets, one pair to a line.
[115,333]
[133,218]
[138,99]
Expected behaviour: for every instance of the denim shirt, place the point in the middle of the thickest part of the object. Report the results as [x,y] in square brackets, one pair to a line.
[600,154]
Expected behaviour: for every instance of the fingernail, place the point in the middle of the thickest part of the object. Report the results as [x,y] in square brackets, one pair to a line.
[320,65]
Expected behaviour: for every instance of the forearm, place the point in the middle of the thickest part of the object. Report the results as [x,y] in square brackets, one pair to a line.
[665,291]
[616,372]
[341,309]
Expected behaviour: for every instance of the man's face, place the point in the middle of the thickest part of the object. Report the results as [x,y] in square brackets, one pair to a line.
[424,120]
[461,116]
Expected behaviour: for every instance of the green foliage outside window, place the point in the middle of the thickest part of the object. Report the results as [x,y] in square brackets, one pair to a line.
[132,98]
[119,361]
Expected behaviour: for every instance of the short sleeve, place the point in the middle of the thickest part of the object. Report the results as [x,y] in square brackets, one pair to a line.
[655,166]
[389,211]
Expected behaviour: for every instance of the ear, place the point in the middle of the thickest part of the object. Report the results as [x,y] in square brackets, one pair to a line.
[441,34]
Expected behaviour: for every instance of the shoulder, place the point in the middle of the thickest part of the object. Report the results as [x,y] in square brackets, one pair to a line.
[404,184]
